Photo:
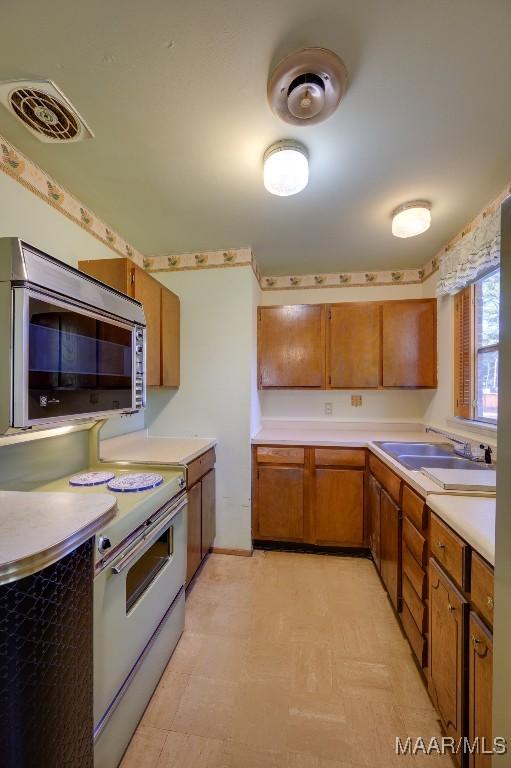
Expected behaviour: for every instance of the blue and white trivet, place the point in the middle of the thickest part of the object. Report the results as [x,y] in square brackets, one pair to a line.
[135,481]
[91,478]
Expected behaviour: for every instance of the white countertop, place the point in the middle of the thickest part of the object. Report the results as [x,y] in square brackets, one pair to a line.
[364,437]
[37,528]
[140,447]
[472,518]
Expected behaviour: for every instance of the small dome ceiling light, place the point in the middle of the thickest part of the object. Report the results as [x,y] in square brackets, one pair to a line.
[411,219]
[286,168]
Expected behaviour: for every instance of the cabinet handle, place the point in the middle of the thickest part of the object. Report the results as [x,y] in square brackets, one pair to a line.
[440,545]
[450,608]
[490,603]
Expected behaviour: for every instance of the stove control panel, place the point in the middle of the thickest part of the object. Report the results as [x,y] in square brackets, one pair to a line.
[140,361]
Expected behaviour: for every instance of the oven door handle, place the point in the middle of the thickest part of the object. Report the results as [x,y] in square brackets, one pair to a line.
[149,538]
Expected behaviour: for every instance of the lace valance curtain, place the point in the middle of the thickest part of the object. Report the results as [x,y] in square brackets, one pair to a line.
[471,256]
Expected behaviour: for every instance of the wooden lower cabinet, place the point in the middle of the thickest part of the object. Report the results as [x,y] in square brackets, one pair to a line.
[280,503]
[201,510]
[208,489]
[194,516]
[373,492]
[338,507]
[390,547]
[309,495]
[480,675]
[447,634]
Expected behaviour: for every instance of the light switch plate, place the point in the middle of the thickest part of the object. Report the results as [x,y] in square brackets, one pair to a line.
[356,401]
[329,409]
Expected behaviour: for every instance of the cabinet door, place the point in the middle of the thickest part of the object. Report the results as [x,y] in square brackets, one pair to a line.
[447,620]
[353,345]
[373,518]
[194,520]
[409,343]
[480,671]
[280,503]
[147,290]
[390,547]
[208,512]
[113,272]
[291,346]
[338,507]
[170,338]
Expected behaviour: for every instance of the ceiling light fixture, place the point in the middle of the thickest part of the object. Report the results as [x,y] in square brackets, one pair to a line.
[411,219]
[286,168]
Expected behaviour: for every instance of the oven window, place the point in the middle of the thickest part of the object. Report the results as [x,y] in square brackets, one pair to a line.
[141,575]
[76,363]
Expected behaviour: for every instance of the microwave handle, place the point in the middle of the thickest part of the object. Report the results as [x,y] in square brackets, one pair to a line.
[148,539]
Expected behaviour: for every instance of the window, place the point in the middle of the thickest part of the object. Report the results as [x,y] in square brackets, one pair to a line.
[477,349]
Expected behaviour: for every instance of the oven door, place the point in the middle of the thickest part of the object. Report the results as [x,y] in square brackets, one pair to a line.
[69,362]
[132,592]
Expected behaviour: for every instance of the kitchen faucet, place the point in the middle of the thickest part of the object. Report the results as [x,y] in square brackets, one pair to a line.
[465,450]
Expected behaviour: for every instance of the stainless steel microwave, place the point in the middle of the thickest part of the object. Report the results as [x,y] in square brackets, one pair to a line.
[72,347]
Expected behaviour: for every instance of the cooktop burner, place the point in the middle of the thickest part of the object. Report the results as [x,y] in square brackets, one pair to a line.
[135,481]
[91,478]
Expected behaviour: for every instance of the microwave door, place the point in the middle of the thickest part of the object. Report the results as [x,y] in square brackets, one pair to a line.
[72,363]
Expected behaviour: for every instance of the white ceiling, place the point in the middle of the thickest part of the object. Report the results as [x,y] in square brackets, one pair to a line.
[176,95]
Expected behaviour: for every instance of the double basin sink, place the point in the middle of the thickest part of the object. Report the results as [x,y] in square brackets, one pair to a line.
[418,455]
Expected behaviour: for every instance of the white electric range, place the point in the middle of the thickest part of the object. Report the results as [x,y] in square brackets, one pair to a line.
[139,580]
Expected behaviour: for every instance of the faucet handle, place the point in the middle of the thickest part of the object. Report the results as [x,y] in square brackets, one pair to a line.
[487,453]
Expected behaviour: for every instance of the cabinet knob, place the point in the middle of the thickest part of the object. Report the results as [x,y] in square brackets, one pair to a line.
[489,602]
[475,640]
[440,545]
[450,608]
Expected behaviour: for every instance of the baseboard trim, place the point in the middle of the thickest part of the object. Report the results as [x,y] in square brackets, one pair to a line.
[236,552]
[311,549]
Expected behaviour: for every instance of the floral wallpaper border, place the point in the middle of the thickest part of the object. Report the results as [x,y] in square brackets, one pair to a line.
[28,174]
[32,177]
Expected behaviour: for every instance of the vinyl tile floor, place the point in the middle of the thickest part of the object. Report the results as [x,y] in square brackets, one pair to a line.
[288,660]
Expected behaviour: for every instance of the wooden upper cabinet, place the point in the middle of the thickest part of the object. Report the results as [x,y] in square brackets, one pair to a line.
[161,309]
[170,339]
[353,345]
[409,343]
[291,346]
[148,292]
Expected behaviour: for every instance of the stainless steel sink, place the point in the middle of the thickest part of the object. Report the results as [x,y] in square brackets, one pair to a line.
[418,455]
[412,461]
[417,449]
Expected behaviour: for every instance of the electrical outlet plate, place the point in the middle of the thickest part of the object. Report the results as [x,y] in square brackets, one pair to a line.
[356,401]
[329,409]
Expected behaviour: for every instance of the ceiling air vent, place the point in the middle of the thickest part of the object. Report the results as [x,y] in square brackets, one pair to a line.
[42,108]
[307,86]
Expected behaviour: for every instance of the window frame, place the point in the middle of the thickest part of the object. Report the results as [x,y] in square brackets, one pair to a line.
[482,349]
[466,353]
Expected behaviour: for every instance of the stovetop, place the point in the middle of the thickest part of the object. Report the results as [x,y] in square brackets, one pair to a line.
[133,508]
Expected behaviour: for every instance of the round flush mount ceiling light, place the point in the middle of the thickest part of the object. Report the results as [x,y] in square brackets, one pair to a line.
[286,168]
[411,219]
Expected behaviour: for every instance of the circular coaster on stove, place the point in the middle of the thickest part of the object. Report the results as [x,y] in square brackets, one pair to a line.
[135,481]
[91,478]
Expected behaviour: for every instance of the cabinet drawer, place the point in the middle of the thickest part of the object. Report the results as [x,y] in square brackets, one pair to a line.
[339,457]
[271,455]
[415,638]
[198,467]
[415,542]
[416,575]
[449,550]
[481,593]
[415,605]
[414,508]
[390,481]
